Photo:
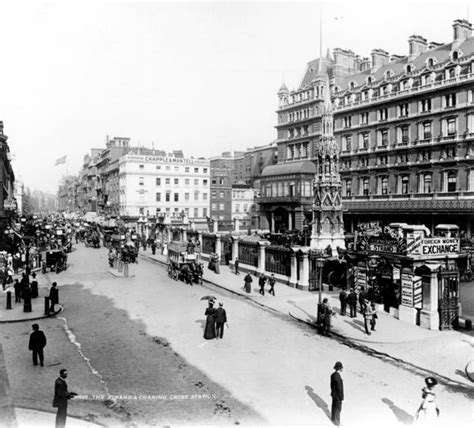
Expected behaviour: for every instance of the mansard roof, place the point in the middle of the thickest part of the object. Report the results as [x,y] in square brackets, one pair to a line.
[299,167]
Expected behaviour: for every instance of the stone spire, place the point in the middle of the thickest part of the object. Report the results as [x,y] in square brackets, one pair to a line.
[328,226]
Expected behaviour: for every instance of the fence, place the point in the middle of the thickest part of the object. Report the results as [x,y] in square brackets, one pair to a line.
[278,259]
[208,244]
[248,253]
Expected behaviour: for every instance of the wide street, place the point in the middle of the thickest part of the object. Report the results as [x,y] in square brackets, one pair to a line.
[140,340]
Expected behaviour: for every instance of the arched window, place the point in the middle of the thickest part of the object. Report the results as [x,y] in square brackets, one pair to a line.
[427,183]
[430,62]
[451,181]
[384,185]
[369,80]
[405,184]
[409,68]
[455,55]
[365,186]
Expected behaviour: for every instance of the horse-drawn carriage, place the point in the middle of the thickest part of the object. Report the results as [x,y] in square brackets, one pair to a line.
[55,261]
[184,266]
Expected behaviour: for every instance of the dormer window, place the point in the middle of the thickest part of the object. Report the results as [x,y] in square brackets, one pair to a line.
[430,62]
[409,68]
[455,55]
[352,85]
[388,74]
[369,80]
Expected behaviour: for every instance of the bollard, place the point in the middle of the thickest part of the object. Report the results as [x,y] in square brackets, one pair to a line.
[9,299]
[120,266]
[34,289]
[27,304]
[46,305]
[125,270]
[468,324]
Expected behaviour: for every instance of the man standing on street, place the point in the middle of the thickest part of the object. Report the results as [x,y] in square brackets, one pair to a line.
[337,394]
[261,282]
[236,266]
[37,344]
[352,301]
[53,296]
[61,395]
[343,300]
[271,283]
[221,319]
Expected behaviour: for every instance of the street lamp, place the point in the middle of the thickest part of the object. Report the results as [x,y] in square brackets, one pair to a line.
[320,262]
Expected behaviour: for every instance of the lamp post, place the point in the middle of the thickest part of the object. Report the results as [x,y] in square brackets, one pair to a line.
[320,262]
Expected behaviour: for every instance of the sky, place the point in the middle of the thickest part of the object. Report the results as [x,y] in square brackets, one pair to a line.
[198,76]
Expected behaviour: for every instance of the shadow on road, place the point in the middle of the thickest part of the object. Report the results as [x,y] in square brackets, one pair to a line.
[403,417]
[357,325]
[202,322]
[311,317]
[318,401]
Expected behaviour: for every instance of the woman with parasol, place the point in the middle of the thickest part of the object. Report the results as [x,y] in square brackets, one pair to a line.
[210,328]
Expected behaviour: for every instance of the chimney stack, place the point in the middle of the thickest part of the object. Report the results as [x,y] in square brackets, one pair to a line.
[379,58]
[462,29]
[364,64]
[394,57]
[417,45]
[433,45]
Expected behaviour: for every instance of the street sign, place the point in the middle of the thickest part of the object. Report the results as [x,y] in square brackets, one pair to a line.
[407,289]
[417,292]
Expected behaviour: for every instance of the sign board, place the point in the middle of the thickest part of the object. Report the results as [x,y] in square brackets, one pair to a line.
[435,246]
[407,289]
[9,204]
[370,228]
[417,292]
[360,277]
[396,273]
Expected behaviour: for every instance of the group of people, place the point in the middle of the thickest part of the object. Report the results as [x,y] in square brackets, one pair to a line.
[366,306]
[216,318]
[262,281]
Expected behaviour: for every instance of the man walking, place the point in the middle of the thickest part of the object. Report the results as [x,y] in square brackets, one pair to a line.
[61,395]
[37,344]
[248,283]
[368,317]
[221,319]
[261,282]
[337,394]
[271,283]
[362,298]
[236,266]
[53,296]
[17,287]
[326,314]
[343,300]
[352,301]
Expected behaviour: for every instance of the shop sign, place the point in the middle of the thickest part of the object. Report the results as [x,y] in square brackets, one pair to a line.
[385,244]
[360,276]
[417,292]
[370,227]
[407,289]
[437,246]
[396,273]
[9,204]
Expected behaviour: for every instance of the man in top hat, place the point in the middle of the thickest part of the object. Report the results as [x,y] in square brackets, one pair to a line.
[337,394]
[221,319]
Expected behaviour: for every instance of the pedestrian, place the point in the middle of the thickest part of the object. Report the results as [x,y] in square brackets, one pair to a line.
[221,319]
[61,395]
[261,282]
[34,286]
[236,266]
[248,283]
[37,344]
[428,412]
[343,300]
[373,321]
[368,314]
[271,283]
[337,394]
[362,298]
[153,247]
[210,327]
[53,296]
[17,287]
[352,301]
[326,314]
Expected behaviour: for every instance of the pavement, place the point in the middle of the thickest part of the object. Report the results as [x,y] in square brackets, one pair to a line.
[397,339]
[37,419]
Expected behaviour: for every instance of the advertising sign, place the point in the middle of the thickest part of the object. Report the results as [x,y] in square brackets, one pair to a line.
[370,227]
[436,246]
[360,277]
[407,289]
[396,273]
[417,292]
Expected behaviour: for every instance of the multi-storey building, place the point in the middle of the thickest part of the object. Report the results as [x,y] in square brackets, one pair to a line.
[153,182]
[405,127]
[221,197]
[243,204]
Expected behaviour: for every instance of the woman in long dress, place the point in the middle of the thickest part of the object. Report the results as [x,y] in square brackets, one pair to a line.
[210,329]
[428,412]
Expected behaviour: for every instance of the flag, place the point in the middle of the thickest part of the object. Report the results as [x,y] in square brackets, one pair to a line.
[60,160]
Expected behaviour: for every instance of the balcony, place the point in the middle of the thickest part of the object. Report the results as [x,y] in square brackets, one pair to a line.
[285,199]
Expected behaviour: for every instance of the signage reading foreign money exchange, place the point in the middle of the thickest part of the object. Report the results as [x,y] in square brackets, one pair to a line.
[436,246]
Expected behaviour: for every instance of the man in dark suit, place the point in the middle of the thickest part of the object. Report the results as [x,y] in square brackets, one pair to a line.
[37,344]
[352,301]
[53,296]
[343,300]
[337,394]
[61,395]
[221,319]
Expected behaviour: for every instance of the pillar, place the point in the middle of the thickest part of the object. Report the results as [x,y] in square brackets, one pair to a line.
[290,220]
[215,225]
[304,273]
[294,267]
[261,256]
[168,235]
[272,222]
[235,248]
[185,234]
[236,225]
[429,317]
[218,246]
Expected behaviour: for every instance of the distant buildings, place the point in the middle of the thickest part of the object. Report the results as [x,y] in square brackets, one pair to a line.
[8,205]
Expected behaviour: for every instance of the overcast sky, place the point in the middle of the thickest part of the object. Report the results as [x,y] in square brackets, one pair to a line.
[196,76]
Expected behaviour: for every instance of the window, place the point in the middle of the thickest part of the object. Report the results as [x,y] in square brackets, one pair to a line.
[425,105]
[168,196]
[167,180]
[196,170]
[141,181]
[204,212]
[383,114]
[158,197]
[365,186]
[141,211]
[168,167]
[204,182]
[196,181]
[383,137]
[186,169]
[176,181]
[204,196]
[405,134]
[176,197]
[221,194]
[221,207]
[427,183]
[450,100]
[214,206]
[158,181]
[364,118]
[176,169]
[237,207]
[426,130]
[384,185]
[186,181]
[348,187]
[204,170]
[405,184]
[451,126]
[214,194]
[141,166]
[451,181]
[346,143]
[158,166]
[364,140]
[186,196]
[347,121]
[403,110]
[196,195]
[196,212]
